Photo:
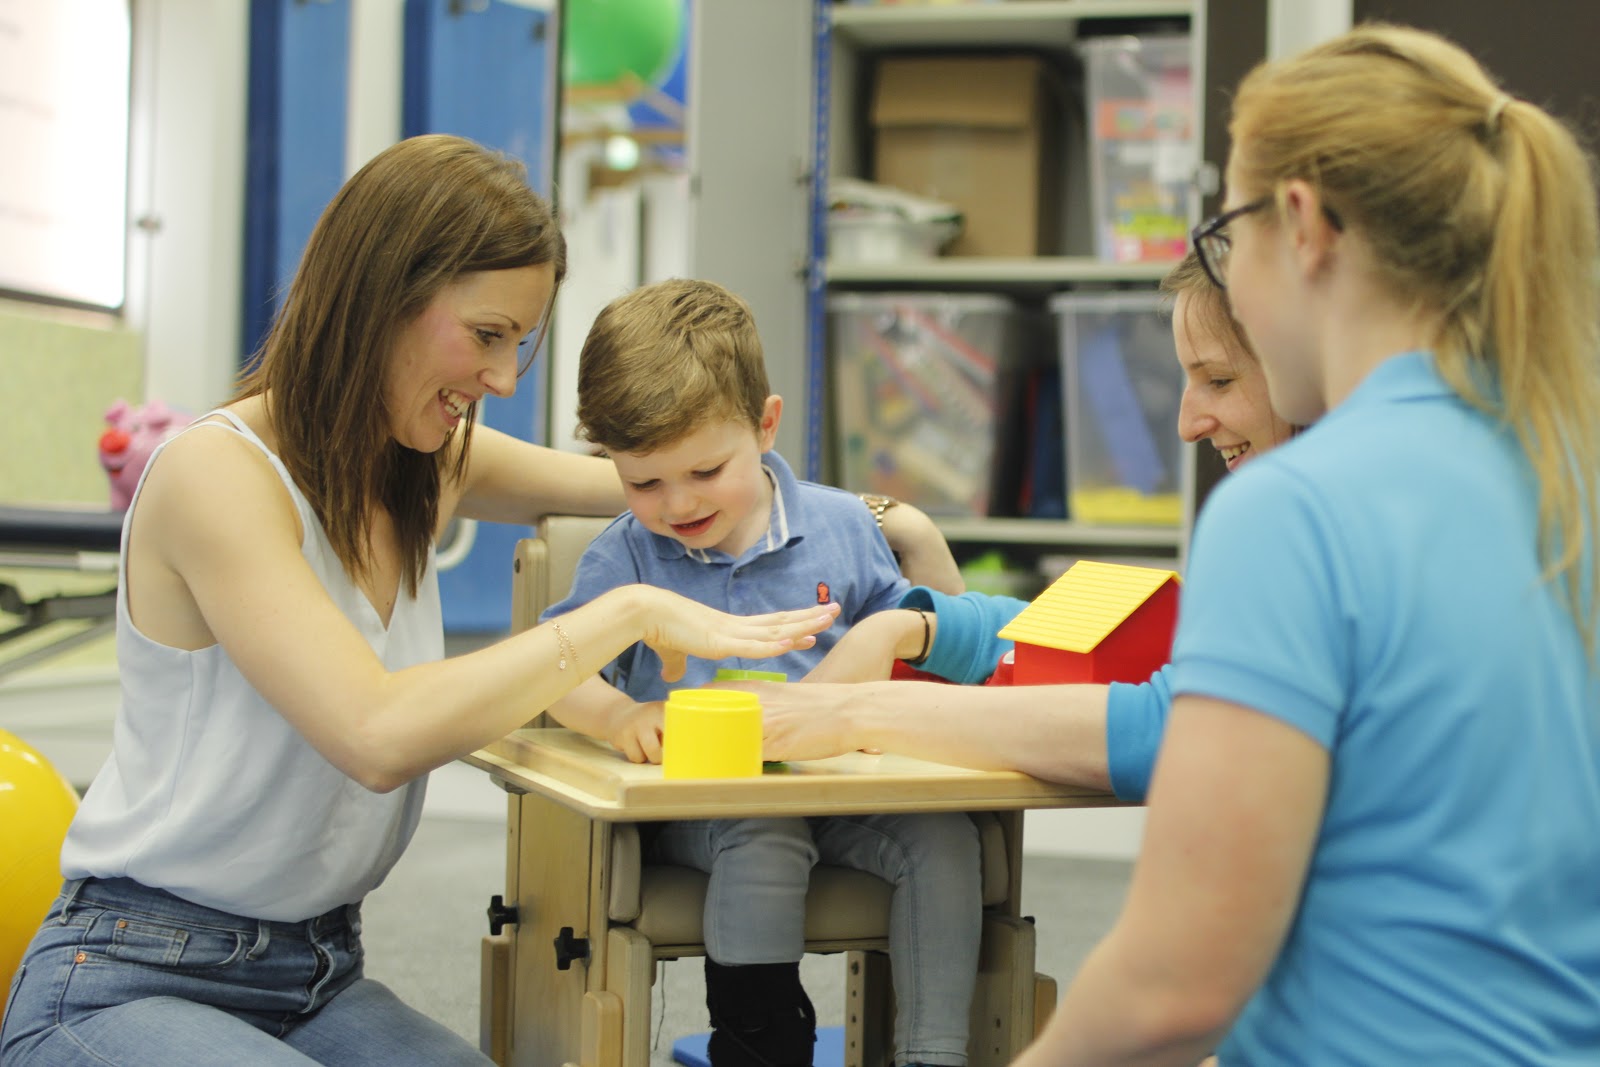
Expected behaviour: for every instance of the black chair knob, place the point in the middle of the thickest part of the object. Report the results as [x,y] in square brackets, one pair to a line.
[500,914]
[569,948]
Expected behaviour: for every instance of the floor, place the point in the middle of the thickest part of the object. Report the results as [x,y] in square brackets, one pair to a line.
[424,925]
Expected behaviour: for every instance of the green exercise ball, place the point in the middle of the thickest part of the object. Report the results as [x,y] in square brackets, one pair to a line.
[607,39]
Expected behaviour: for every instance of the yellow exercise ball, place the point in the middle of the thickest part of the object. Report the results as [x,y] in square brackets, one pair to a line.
[36,805]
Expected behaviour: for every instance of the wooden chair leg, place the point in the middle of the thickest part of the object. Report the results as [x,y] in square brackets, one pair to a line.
[1003,1003]
[494,999]
[868,1010]
[602,1030]
[630,974]
[1045,997]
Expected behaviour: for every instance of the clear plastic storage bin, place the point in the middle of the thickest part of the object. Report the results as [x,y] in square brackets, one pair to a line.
[918,384]
[1142,150]
[1121,387]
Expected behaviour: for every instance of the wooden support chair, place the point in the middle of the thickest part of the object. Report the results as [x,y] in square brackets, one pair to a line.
[654,912]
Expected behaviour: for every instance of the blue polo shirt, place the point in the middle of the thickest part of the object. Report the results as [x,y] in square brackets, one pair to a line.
[821,546]
[1375,584]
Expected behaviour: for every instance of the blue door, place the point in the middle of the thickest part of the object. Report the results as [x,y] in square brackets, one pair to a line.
[294,158]
[485,69]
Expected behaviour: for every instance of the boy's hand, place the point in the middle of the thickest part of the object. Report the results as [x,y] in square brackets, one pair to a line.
[637,733]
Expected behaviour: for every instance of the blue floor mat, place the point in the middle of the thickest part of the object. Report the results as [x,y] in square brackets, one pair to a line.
[691,1051]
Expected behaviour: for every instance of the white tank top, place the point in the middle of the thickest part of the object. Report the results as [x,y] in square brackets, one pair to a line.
[210,794]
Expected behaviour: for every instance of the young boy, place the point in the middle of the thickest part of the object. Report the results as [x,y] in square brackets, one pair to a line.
[671,383]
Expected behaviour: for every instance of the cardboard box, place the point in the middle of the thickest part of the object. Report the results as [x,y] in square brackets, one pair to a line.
[982,132]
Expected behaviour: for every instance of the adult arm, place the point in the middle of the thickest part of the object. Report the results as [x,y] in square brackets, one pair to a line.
[215,556]
[961,643]
[508,480]
[962,647]
[966,647]
[1136,719]
[1236,807]
[924,554]
[1055,732]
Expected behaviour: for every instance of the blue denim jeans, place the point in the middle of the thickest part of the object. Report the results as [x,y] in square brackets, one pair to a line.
[120,973]
[755,905]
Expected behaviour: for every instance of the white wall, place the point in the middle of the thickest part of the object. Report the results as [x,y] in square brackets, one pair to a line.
[377,73]
[186,184]
[1293,25]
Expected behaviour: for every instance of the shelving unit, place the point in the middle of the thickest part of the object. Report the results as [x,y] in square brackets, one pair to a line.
[848,38]
[1046,23]
[1043,273]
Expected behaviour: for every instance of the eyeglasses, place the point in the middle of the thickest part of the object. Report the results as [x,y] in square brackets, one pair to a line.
[1212,243]
[1211,240]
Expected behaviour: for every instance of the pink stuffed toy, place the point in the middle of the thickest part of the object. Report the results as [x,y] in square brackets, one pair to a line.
[125,448]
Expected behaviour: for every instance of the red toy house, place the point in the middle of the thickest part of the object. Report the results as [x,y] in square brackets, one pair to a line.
[1099,622]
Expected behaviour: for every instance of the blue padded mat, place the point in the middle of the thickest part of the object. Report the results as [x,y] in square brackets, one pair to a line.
[691,1051]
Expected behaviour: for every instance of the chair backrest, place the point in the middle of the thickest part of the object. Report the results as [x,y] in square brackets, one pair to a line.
[542,570]
[542,566]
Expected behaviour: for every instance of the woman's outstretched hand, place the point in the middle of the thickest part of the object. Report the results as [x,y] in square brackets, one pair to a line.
[676,627]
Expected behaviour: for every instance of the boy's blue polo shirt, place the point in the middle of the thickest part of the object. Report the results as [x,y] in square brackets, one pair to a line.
[1375,584]
[821,546]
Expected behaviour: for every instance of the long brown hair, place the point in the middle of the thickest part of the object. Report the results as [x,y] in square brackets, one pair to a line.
[417,216]
[1480,209]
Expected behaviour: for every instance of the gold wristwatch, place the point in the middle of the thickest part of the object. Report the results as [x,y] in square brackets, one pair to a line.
[877,505]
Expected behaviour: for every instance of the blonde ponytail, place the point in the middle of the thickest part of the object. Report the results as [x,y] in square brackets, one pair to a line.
[1480,209]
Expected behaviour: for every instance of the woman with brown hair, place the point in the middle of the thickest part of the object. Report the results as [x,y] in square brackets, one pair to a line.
[280,643]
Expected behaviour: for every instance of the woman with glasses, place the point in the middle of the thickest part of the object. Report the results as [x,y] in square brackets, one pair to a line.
[1094,735]
[280,644]
[1374,830]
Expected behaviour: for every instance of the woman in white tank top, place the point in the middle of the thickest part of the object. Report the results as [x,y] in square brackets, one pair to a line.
[280,644]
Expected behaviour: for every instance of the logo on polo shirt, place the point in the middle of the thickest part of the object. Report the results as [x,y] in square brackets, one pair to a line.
[823,593]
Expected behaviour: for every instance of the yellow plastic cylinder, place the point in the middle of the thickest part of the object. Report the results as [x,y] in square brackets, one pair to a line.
[711,733]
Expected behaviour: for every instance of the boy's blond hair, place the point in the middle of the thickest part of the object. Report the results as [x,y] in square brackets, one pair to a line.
[666,359]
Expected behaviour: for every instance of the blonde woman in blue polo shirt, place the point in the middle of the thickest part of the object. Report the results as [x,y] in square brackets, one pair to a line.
[672,384]
[1374,829]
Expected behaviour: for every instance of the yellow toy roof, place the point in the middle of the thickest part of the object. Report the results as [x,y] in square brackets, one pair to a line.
[1083,606]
